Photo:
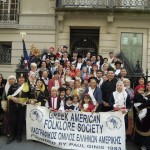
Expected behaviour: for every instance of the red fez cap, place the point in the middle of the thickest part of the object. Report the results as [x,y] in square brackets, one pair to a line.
[77,71]
[139,87]
[52,48]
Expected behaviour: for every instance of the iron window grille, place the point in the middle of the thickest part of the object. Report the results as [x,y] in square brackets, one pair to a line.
[5,53]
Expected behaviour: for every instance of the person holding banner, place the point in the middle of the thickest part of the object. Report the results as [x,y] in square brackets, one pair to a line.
[69,104]
[61,97]
[95,93]
[18,97]
[54,101]
[87,104]
[120,100]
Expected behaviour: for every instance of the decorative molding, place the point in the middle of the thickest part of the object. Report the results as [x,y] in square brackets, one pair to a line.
[37,27]
[28,27]
[8,26]
[6,66]
[38,15]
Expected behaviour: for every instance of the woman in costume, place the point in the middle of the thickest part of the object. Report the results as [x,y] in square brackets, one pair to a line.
[120,100]
[39,93]
[55,81]
[18,97]
[10,80]
[142,120]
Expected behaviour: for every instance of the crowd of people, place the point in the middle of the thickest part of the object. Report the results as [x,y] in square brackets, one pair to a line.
[64,83]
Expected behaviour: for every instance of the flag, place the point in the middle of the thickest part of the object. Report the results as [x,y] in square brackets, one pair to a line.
[25,55]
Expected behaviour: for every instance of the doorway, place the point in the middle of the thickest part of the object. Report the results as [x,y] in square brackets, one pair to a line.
[84,40]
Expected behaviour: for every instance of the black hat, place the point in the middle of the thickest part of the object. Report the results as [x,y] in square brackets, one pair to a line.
[75,51]
[92,78]
[69,98]
[79,56]
[62,89]
[65,46]
[21,75]
[118,62]
[110,69]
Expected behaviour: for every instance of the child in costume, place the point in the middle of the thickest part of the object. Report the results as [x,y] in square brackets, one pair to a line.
[69,104]
[87,104]
[54,102]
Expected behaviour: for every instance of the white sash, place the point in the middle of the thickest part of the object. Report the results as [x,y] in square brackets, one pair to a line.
[92,96]
[142,112]
[18,90]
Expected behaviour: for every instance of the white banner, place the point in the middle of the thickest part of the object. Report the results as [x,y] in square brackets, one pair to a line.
[76,130]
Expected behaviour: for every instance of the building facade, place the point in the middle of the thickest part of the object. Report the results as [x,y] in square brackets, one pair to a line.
[99,26]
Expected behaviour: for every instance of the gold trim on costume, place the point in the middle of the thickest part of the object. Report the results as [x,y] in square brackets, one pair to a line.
[142,133]
[25,87]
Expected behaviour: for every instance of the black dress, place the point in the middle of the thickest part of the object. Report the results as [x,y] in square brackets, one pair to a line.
[39,95]
[142,127]
[71,107]
[17,112]
[108,87]
[2,87]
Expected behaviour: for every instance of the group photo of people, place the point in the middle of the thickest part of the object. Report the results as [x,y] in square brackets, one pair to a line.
[65,82]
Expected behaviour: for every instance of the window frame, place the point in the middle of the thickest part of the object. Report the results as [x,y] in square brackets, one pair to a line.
[5,57]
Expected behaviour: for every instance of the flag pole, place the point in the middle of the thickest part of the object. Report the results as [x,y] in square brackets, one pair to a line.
[23,34]
[23,65]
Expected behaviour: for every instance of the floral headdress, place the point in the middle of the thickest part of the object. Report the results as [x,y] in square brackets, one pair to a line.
[34,51]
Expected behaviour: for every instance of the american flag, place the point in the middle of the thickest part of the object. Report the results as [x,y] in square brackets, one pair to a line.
[25,55]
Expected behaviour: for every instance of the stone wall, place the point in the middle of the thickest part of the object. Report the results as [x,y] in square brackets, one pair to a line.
[37,19]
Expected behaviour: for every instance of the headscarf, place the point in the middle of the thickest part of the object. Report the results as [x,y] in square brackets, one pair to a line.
[7,86]
[126,79]
[139,87]
[120,97]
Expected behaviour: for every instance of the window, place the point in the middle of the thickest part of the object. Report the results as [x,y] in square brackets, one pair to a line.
[132,47]
[5,53]
[9,11]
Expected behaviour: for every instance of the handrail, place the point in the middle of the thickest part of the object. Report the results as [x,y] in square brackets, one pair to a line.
[128,66]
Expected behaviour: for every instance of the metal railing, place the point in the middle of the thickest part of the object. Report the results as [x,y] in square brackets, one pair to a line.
[124,4]
[134,72]
[9,18]
[127,65]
